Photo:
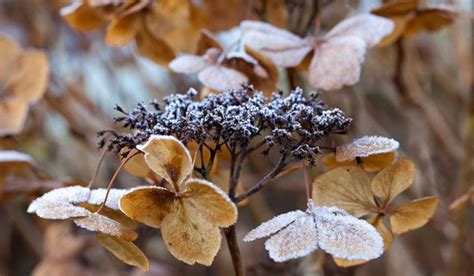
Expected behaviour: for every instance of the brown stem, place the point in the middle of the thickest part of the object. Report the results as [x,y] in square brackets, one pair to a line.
[269,176]
[234,250]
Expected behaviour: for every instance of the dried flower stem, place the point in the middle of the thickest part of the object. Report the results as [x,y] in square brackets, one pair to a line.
[97,168]
[257,187]
[112,180]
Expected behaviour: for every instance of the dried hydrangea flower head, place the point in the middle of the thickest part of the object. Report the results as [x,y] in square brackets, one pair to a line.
[372,153]
[189,211]
[294,124]
[337,56]
[297,234]
[23,81]
[351,189]
[221,70]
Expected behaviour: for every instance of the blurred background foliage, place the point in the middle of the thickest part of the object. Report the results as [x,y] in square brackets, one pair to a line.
[435,127]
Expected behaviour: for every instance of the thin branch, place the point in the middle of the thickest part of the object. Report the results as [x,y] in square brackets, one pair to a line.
[257,187]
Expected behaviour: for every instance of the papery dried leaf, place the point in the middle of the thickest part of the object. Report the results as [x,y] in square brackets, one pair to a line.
[347,237]
[220,78]
[429,20]
[211,202]
[168,158]
[269,83]
[400,23]
[153,48]
[387,236]
[30,78]
[116,215]
[274,225]
[396,8]
[189,236]
[148,205]
[81,16]
[188,64]
[136,165]
[126,251]
[337,62]
[207,41]
[122,30]
[412,215]
[370,28]
[282,47]
[461,202]
[393,180]
[347,188]
[99,223]
[365,146]
[9,52]
[298,239]
[372,163]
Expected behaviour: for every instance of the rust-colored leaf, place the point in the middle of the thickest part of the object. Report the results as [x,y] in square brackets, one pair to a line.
[124,250]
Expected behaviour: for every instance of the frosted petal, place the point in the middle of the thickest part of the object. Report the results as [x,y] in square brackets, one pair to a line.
[97,197]
[274,225]
[365,146]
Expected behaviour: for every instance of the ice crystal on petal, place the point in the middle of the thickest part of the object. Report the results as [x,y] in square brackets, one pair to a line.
[274,225]
[99,223]
[297,240]
[97,197]
[58,211]
[365,146]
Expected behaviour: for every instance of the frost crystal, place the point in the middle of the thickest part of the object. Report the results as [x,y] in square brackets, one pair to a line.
[365,146]
[329,228]
[61,196]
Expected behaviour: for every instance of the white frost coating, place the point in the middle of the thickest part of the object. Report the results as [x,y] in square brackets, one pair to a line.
[66,195]
[48,210]
[329,228]
[99,223]
[97,197]
[347,237]
[272,226]
[188,64]
[365,146]
[297,240]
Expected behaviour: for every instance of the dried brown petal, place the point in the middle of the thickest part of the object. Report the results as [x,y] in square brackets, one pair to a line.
[393,180]
[220,78]
[365,146]
[153,48]
[207,41]
[126,251]
[211,202]
[370,28]
[347,188]
[122,30]
[412,215]
[81,16]
[372,163]
[168,158]
[189,236]
[337,62]
[99,223]
[148,205]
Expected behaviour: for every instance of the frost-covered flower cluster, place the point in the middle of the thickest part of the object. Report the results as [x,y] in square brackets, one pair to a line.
[294,124]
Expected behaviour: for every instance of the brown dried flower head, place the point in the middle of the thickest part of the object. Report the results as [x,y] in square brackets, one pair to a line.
[189,211]
[337,56]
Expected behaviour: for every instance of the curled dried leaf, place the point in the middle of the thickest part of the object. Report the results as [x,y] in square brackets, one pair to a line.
[412,215]
[126,251]
[364,147]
